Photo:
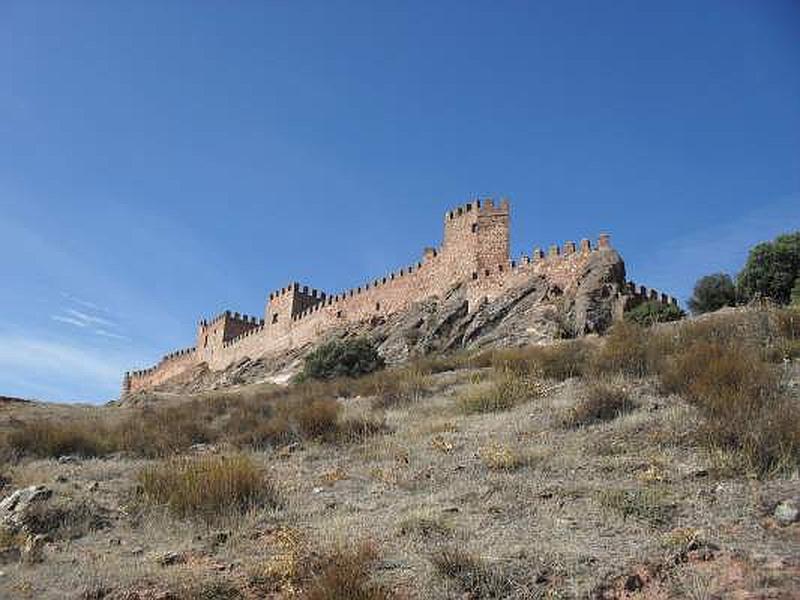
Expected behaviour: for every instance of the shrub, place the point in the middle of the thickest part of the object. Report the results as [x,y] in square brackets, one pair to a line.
[739,397]
[712,292]
[342,358]
[625,351]
[49,438]
[772,269]
[397,387]
[795,297]
[602,402]
[503,393]
[207,487]
[652,311]
[161,431]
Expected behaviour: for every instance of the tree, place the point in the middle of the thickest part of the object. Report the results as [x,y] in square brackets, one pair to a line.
[712,292]
[796,292]
[345,358]
[771,269]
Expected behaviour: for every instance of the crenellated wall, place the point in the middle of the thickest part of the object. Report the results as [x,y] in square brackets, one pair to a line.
[474,253]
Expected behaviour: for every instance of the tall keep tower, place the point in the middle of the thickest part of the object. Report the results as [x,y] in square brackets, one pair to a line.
[475,239]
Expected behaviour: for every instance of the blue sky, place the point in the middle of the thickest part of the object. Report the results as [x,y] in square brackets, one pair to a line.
[163,161]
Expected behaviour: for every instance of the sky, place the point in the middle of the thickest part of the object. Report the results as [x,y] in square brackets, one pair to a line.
[164,161]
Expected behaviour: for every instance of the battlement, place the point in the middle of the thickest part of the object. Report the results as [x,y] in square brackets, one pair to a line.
[473,254]
[485,207]
[643,293]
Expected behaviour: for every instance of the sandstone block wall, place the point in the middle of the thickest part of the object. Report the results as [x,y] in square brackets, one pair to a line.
[474,253]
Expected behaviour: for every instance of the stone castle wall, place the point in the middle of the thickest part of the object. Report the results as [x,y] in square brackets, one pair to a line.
[474,253]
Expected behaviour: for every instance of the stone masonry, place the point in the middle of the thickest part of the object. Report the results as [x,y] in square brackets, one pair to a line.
[474,253]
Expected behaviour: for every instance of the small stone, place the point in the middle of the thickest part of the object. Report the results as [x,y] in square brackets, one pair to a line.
[170,558]
[787,512]
[633,583]
[66,459]
[316,490]
[94,486]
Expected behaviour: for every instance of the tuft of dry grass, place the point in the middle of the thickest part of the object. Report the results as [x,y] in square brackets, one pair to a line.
[207,487]
[344,574]
[645,504]
[508,390]
[479,579]
[50,438]
[501,457]
[603,401]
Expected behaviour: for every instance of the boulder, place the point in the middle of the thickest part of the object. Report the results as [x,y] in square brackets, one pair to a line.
[14,509]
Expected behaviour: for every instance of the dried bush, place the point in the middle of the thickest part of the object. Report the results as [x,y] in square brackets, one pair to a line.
[206,487]
[602,402]
[50,438]
[744,410]
[625,351]
[161,430]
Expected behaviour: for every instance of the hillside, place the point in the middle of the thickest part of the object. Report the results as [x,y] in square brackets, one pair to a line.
[601,467]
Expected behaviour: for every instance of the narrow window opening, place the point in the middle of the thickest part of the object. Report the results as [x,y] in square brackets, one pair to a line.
[475,275]
[377,306]
[338,314]
[275,318]
[474,228]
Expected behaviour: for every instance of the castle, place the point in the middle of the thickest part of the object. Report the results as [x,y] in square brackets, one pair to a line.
[474,253]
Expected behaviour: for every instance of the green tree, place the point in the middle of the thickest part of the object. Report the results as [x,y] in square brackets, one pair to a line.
[712,292]
[342,358]
[796,292]
[653,311]
[771,269]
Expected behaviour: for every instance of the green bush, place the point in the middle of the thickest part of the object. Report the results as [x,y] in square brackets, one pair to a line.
[712,292]
[342,358]
[772,269]
[653,311]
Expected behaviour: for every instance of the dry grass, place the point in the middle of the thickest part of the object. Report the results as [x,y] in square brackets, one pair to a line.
[740,398]
[559,360]
[502,457]
[208,487]
[344,574]
[504,392]
[479,579]
[602,401]
[645,504]
[627,350]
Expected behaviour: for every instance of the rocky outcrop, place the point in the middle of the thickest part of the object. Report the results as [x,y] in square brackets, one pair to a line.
[15,509]
[533,312]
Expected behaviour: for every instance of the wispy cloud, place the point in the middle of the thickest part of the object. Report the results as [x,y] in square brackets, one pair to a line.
[69,320]
[40,361]
[89,319]
[111,334]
